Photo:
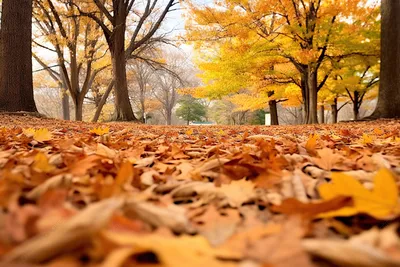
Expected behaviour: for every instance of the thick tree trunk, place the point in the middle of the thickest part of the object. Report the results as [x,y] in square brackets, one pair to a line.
[334,111]
[103,101]
[322,114]
[16,85]
[274,112]
[313,97]
[388,105]
[123,108]
[78,110]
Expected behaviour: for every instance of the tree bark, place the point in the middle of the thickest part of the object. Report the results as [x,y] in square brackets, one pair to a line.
[123,108]
[16,84]
[169,117]
[103,101]
[322,114]
[334,111]
[388,105]
[313,97]
[65,105]
[356,105]
[78,110]
[274,112]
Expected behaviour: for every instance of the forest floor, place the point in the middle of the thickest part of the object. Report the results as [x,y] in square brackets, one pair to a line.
[121,194]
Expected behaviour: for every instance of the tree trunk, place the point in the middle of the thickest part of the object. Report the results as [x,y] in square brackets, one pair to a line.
[313,97]
[78,109]
[123,108]
[274,112]
[169,117]
[305,96]
[388,105]
[356,105]
[65,105]
[334,111]
[103,101]
[322,114]
[65,97]
[16,85]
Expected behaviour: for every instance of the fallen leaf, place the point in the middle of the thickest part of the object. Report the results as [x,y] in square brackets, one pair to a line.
[293,206]
[42,135]
[311,144]
[238,192]
[41,163]
[100,130]
[171,252]
[379,203]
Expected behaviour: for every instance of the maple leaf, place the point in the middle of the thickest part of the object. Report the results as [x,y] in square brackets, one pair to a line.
[379,203]
[42,135]
[312,143]
[238,192]
[100,130]
[189,132]
[366,139]
[327,159]
[41,163]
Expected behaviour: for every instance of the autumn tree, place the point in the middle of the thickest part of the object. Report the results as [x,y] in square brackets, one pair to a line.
[143,21]
[76,41]
[389,93]
[16,83]
[306,33]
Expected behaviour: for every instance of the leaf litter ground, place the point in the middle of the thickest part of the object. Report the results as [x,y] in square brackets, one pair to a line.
[120,194]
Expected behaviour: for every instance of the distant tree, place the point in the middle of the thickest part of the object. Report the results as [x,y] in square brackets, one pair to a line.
[16,83]
[389,93]
[190,109]
[129,28]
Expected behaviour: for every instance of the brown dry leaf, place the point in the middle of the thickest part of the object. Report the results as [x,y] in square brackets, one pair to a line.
[103,150]
[369,249]
[81,167]
[238,192]
[327,159]
[293,206]
[171,252]
[282,250]
[172,216]
[67,236]
[217,226]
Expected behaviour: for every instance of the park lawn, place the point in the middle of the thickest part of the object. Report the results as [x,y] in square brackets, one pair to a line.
[124,194]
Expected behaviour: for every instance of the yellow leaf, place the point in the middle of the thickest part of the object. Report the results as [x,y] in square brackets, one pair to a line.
[41,163]
[378,131]
[29,132]
[221,132]
[312,143]
[189,132]
[42,135]
[366,139]
[379,203]
[100,130]
[170,251]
